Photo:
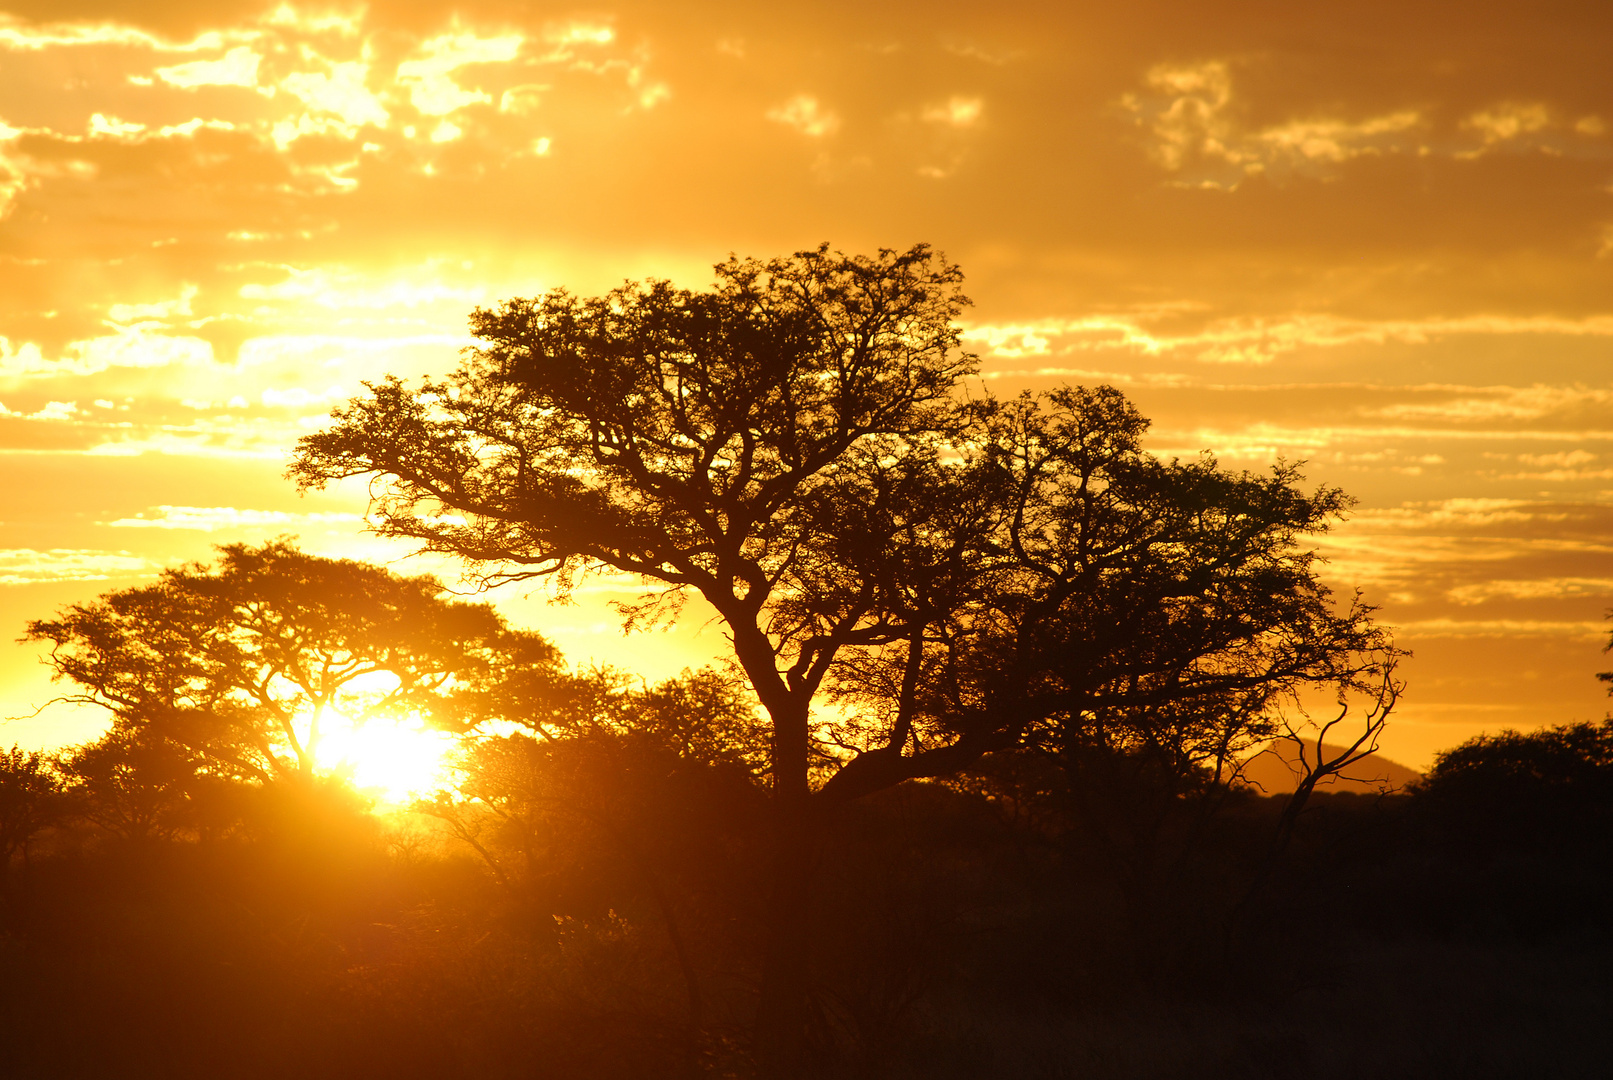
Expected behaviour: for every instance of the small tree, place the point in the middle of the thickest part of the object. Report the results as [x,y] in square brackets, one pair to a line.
[512,788]
[143,787]
[232,670]
[32,799]
[1526,789]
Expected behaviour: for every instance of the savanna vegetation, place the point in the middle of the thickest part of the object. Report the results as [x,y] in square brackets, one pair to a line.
[966,800]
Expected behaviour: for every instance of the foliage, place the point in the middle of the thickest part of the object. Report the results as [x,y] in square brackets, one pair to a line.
[646,802]
[1556,781]
[32,799]
[958,945]
[141,788]
[703,441]
[230,671]
[1091,598]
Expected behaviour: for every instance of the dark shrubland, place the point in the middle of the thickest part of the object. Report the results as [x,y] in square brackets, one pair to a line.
[974,934]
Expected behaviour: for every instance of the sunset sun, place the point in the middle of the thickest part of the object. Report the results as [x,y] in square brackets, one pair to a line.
[393,760]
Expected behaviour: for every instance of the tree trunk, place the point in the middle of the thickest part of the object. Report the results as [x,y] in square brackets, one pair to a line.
[781,1015]
[781,1012]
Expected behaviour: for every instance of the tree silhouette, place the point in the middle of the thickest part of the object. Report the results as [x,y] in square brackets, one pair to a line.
[790,445]
[33,797]
[1522,787]
[1092,595]
[140,787]
[229,672]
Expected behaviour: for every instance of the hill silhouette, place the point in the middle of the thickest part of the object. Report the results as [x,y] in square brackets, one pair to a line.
[1276,769]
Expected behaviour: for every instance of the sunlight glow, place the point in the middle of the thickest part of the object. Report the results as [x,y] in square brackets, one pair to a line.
[392,760]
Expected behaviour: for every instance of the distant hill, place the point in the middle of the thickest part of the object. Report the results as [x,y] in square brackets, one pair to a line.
[1276,769]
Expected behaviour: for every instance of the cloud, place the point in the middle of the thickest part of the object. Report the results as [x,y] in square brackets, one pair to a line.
[341,23]
[993,57]
[1188,113]
[25,361]
[28,566]
[55,410]
[238,67]
[19,35]
[1508,121]
[229,518]
[957,111]
[803,113]
[130,347]
[1561,459]
[1195,129]
[1577,629]
[1492,403]
[317,77]
[340,92]
[1464,513]
[134,348]
[296,351]
[298,397]
[1253,339]
[523,100]
[104,126]
[162,310]
[429,79]
[579,32]
[1473,550]
[334,288]
[1546,588]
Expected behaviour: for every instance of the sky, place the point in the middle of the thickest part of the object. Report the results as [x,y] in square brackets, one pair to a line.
[1373,237]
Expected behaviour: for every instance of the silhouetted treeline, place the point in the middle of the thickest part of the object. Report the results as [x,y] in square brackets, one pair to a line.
[594,913]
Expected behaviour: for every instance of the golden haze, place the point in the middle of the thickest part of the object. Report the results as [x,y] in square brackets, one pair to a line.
[1377,237]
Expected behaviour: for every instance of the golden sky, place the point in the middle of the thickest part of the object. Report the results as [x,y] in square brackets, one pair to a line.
[1377,237]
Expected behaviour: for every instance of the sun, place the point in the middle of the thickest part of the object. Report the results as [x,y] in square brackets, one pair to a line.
[394,760]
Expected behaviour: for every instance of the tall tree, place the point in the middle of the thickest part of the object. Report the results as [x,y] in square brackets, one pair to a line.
[791,446]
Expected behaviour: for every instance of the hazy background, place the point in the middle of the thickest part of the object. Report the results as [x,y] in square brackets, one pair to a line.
[1375,237]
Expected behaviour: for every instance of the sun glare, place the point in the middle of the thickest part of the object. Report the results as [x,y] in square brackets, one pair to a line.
[393,760]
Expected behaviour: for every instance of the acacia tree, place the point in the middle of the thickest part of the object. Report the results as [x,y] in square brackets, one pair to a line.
[790,446]
[144,788]
[233,669]
[700,440]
